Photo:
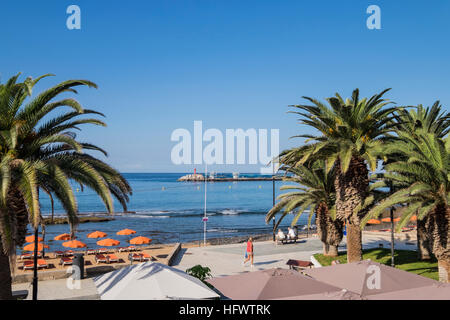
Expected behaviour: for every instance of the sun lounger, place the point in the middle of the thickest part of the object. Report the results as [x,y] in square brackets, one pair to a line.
[64,261]
[100,258]
[91,251]
[112,258]
[29,265]
[42,263]
[59,254]
[122,249]
[68,253]
[145,257]
[26,256]
[102,251]
[132,248]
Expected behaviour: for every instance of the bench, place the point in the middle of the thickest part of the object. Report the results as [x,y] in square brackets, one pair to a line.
[299,264]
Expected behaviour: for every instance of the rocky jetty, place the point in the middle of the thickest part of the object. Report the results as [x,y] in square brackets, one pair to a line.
[192,177]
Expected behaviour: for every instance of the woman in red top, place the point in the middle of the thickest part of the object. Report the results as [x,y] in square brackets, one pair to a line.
[249,251]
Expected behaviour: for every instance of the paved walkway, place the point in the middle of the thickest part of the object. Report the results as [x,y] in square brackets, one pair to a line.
[60,290]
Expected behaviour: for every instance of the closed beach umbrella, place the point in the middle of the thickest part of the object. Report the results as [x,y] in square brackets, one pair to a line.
[374,221]
[31,239]
[151,281]
[74,244]
[140,240]
[96,234]
[30,246]
[108,242]
[274,284]
[62,237]
[368,278]
[125,232]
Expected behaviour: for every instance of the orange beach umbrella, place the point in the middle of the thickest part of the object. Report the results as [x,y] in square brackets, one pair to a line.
[374,221]
[108,242]
[63,236]
[97,234]
[31,239]
[140,240]
[413,218]
[389,220]
[30,246]
[125,232]
[74,244]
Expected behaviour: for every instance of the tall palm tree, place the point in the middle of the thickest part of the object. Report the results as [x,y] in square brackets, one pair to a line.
[423,178]
[352,132]
[39,152]
[314,189]
[429,120]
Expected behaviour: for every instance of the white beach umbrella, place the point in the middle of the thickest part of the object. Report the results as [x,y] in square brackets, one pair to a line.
[151,281]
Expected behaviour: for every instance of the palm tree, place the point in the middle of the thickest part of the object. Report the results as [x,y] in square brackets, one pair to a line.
[314,190]
[39,152]
[429,120]
[422,175]
[351,134]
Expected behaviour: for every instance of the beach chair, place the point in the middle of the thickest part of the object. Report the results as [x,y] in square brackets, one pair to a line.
[25,256]
[28,265]
[42,263]
[112,258]
[145,257]
[100,258]
[65,261]
[68,253]
[91,251]
[136,257]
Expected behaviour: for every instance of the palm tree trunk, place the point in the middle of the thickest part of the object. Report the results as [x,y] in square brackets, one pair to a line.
[5,276]
[423,241]
[351,190]
[354,242]
[439,230]
[329,231]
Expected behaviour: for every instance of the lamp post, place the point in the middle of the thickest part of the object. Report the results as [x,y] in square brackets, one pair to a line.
[273,200]
[391,189]
[35,259]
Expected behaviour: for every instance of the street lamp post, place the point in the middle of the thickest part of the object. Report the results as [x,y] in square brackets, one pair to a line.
[35,258]
[392,229]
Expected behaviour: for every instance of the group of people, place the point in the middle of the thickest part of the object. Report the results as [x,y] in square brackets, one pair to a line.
[291,234]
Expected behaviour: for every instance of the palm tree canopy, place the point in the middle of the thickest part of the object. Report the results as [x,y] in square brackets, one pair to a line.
[348,128]
[39,150]
[313,186]
[421,175]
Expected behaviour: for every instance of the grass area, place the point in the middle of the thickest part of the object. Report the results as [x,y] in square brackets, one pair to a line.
[404,260]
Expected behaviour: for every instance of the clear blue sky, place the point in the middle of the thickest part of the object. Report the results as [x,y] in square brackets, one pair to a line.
[160,65]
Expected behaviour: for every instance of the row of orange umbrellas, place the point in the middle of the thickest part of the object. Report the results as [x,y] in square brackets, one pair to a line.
[93,235]
[375,221]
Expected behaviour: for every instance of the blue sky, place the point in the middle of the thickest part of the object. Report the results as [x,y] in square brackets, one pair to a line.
[160,65]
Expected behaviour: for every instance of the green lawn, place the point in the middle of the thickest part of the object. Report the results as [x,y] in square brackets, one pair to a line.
[404,260]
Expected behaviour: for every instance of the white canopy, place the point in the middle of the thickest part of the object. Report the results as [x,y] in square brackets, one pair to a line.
[151,281]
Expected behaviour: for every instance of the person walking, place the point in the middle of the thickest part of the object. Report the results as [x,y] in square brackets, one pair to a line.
[249,252]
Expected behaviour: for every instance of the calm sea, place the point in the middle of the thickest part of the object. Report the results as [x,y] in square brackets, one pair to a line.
[170,211]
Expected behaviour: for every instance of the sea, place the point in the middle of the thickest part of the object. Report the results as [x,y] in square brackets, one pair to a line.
[169,211]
